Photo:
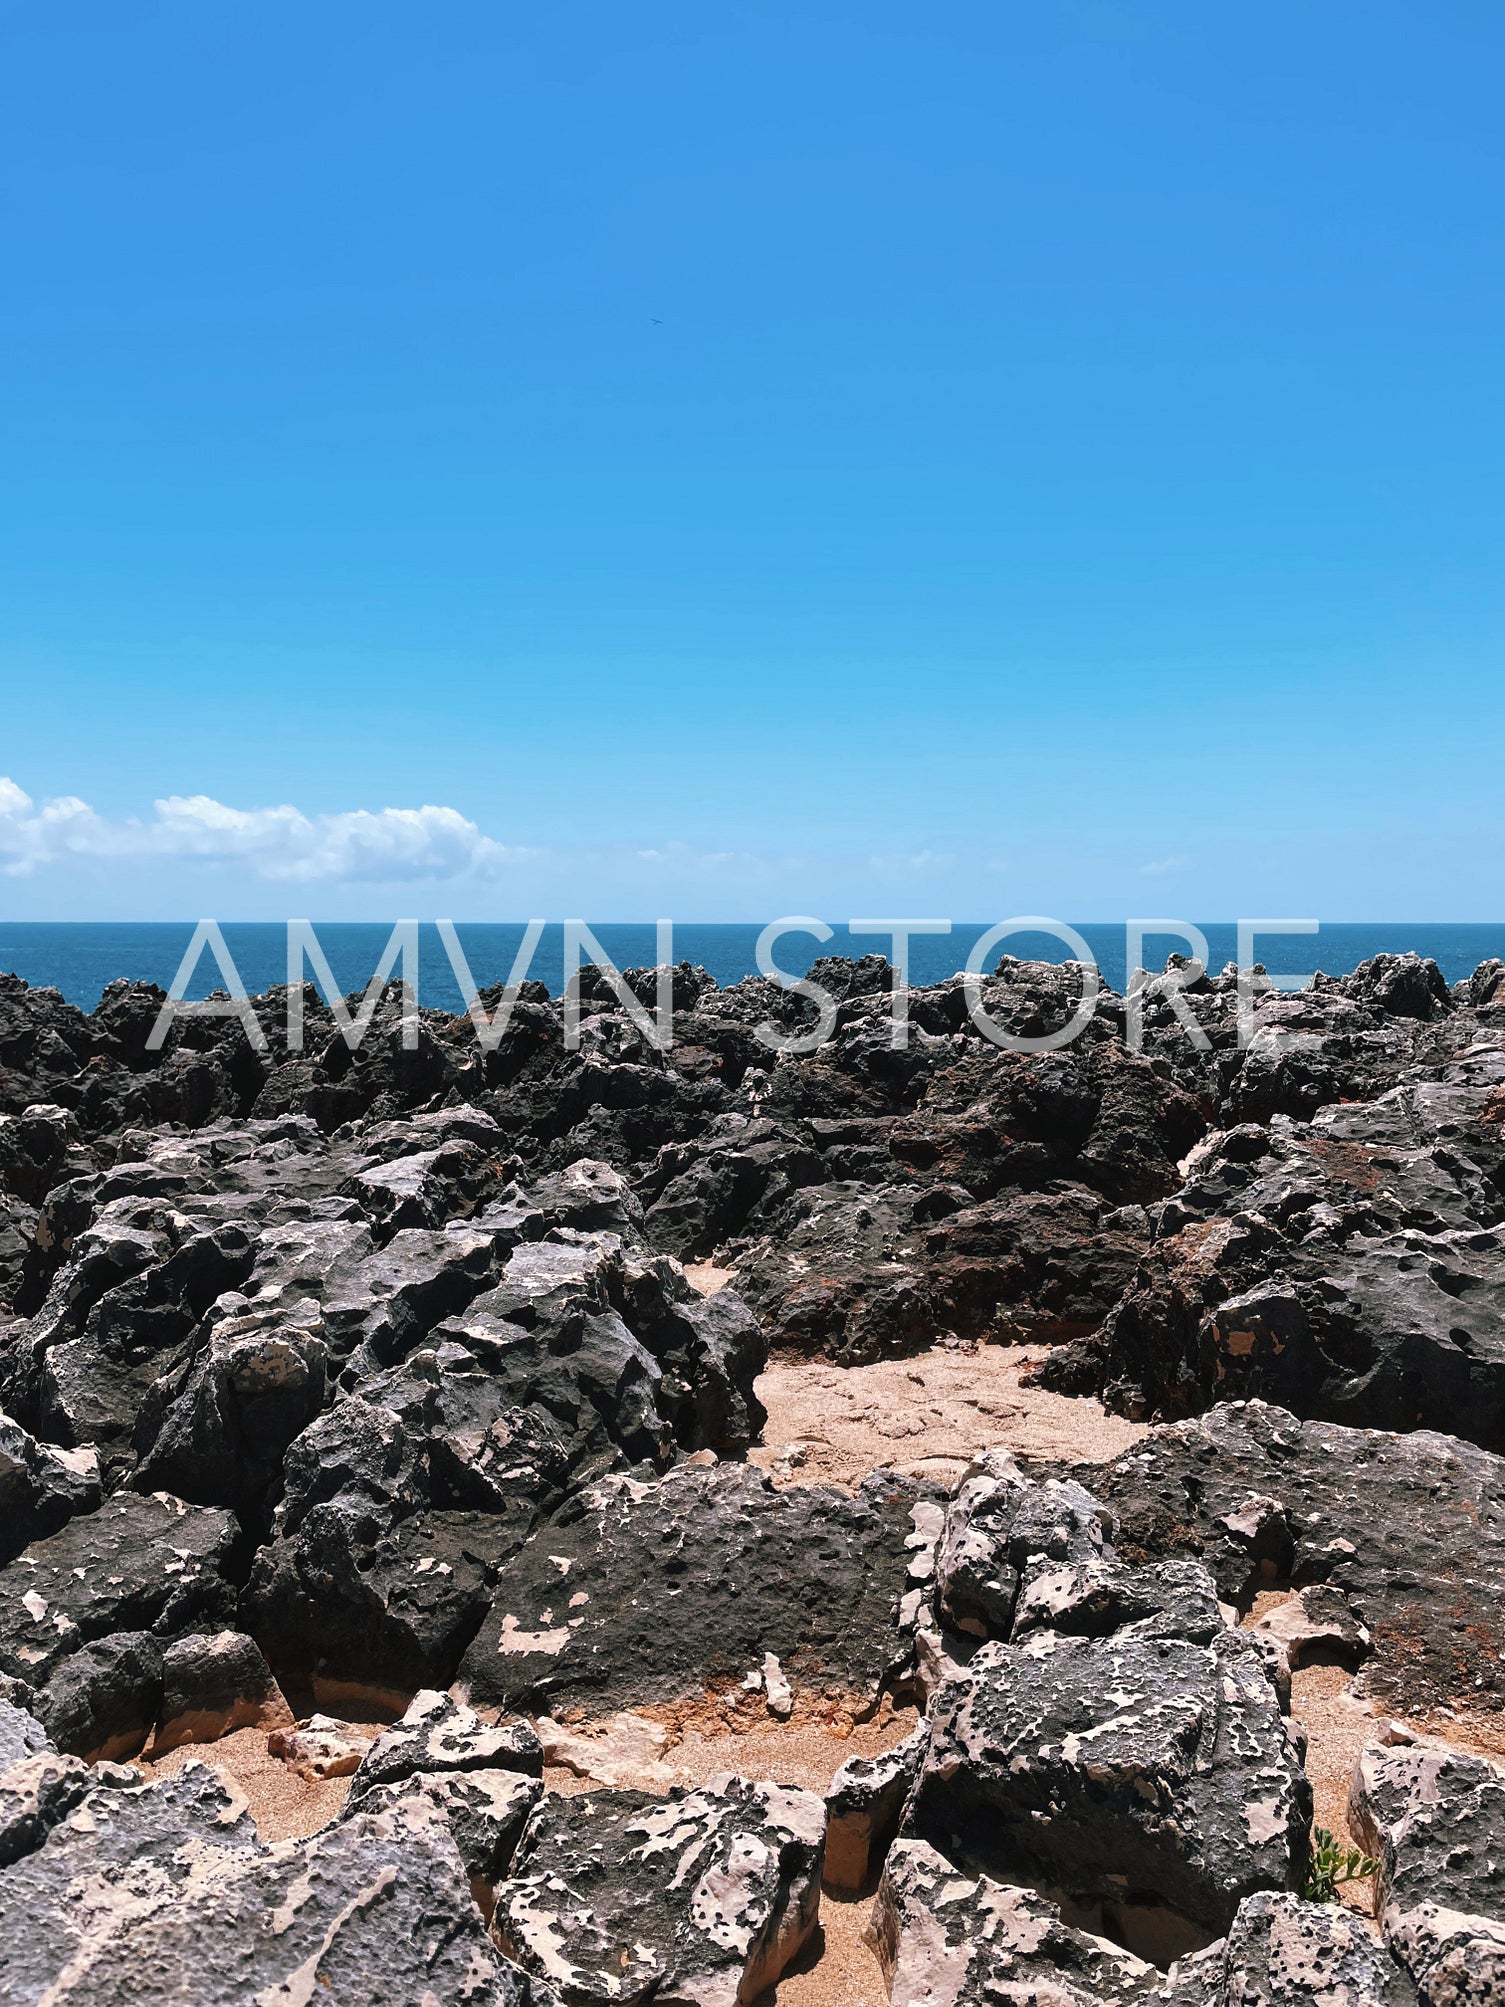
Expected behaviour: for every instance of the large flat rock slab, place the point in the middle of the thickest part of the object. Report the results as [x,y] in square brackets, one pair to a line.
[649,1591]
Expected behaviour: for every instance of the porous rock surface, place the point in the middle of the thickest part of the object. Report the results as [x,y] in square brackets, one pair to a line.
[368,1381]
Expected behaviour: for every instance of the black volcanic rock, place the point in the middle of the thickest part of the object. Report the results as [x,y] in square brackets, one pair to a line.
[1411,1528]
[386,1357]
[652,1590]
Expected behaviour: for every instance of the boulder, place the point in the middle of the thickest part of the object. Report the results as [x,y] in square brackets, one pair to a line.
[440,1735]
[137,1564]
[103,1701]
[162,1892]
[700,1898]
[941,1934]
[41,1487]
[648,1591]
[1152,1776]
[1410,1528]
[212,1685]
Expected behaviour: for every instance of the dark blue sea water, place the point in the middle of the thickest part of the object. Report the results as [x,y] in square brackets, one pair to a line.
[79,958]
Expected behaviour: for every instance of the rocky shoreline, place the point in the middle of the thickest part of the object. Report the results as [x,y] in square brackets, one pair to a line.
[388,1432]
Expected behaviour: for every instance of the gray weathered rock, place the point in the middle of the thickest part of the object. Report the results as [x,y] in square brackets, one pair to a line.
[1283,1952]
[1411,1528]
[943,1935]
[485,1811]
[1143,1774]
[1435,1818]
[440,1735]
[699,1899]
[161,1893]
[1100,1597]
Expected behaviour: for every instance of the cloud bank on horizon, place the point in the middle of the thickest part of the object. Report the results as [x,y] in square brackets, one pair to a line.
[380,846]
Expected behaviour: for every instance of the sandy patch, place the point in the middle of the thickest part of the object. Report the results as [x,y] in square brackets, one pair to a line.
[928,1416]
[284,1806]
[836,1968]
[705,1278]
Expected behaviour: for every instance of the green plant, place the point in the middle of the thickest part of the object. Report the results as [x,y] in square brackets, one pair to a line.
[1330,1865]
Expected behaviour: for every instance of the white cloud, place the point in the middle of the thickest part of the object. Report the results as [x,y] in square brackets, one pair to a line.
[379,846]
[1162,865]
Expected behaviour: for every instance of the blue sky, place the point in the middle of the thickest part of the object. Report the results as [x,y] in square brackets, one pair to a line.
[731,460]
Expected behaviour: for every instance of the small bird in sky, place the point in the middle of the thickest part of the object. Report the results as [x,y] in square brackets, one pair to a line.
[658,324]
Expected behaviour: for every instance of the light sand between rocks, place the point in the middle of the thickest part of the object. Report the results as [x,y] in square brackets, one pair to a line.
[927,1416]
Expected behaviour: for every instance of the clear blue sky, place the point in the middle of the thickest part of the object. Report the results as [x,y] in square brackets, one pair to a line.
[747,459]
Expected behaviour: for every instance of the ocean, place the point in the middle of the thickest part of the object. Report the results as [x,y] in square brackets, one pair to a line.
[79,958]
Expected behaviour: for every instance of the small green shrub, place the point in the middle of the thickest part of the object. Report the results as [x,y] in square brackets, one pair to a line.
[1330,1865]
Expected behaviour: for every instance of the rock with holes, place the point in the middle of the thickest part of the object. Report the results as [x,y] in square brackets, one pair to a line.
[485,1811]
[1283,1952]
[162,1893]
[137,1564]
[1351,1268]
[1411,1529]
[1151,1775]
[439,1734]
[943,1935]
[38,1787]
[699,1899]
[1436,1819]
[1100,1597]
[647,1591]
[863,1806]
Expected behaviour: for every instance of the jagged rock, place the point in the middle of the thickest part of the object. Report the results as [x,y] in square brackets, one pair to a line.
[163,1893]
[1283,1952]
[864,1271]
[353,1604]
[1352,1268]
[1435,1818]
[1316,1626]
[1145,1774]
[21,1735]
[863,1805]
[1099,1597]
[700,1898]
[217,1433]
[317,1748]
[213,1685]
[136,1564]
[485,1811]
[942,1935]
[124,1854]
[1411,1529]
[103,1702]
[1455,1959]
[647,1591]
[39,1787]
[429,1189]
[439,1734]
[41,1487]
